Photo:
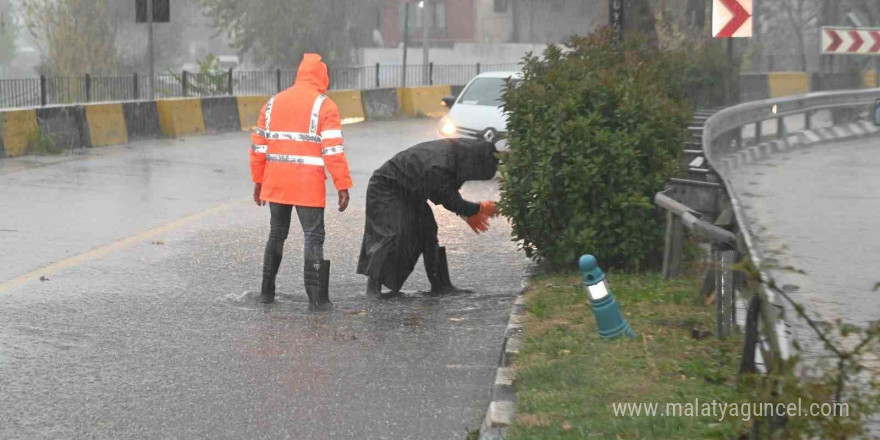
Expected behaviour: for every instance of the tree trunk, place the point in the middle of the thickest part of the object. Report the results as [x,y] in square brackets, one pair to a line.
[638,16]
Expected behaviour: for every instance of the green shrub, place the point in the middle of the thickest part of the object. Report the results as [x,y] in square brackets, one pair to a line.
[594,133]
[41,144]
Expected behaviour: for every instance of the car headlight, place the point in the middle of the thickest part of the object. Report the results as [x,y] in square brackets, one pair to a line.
[447,128]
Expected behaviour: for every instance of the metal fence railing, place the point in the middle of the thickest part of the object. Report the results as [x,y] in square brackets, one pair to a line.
[43,91]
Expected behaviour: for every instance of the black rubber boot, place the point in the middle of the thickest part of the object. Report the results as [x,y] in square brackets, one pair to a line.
[267,290]
[443,281]
[440,282]
[432,268]
[317,282]
[374,287]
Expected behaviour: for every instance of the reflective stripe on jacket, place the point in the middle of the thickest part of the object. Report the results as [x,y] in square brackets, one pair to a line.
[299,135]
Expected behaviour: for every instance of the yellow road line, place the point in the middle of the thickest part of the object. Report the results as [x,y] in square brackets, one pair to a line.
[104,250]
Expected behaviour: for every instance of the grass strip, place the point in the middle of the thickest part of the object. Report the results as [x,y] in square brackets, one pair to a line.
[567,378]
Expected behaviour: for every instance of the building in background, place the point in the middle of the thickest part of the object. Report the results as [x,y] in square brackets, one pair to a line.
[450,21]
[492,21]
[487,31]
[547,21]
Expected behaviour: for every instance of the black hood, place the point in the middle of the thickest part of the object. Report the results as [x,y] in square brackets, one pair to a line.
[475,159]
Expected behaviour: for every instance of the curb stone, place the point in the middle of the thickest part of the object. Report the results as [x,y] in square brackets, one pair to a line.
[502,405]
[800,139]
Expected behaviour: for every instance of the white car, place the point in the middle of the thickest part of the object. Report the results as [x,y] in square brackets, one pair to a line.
[477,112]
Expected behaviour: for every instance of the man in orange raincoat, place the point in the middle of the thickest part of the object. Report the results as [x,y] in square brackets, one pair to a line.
[298,138]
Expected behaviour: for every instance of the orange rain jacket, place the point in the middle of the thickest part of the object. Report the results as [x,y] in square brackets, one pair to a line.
[299,134]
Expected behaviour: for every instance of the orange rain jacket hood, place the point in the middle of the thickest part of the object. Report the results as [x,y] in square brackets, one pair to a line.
[313,72]
[298,140]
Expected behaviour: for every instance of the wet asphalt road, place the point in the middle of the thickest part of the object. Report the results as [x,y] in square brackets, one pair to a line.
[144,327]
[816,209]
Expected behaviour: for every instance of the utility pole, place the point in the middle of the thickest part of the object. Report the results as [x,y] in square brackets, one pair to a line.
[152,86]
[405,41]
[425,5]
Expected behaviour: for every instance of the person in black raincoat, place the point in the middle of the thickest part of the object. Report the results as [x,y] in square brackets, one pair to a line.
[400,225]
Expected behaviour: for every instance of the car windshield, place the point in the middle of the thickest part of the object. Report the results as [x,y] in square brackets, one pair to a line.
[484,91]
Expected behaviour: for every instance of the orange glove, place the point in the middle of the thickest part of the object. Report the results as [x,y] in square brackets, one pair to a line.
[488,209]
[478,223]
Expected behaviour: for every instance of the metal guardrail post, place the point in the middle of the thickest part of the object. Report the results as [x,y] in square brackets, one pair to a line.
[478,68]
[42,90]
[724,291]
[759,128]
[88,82]
[135,87]
[277,80]
[808,120]
[674,245]
[716,264]
[780,128]
[229,82]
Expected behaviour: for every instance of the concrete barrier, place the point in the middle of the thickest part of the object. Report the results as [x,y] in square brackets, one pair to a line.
[221,114]
[106,124]
[141,120]
[350,103]
[65,125]
[820,82]
[869,79]
[181,117]
[249,109]
[788,83]
[380,103]
[16,127]
[423,101]
[456,90]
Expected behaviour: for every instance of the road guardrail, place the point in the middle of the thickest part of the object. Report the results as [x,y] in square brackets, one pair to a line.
[707,204]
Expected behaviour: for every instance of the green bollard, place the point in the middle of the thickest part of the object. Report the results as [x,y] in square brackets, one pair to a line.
[608,318]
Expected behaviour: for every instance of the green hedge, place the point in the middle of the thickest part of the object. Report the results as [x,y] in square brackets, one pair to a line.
[594,132]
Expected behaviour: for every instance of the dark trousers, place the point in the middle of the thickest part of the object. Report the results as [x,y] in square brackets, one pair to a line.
[398,230]
[312,221]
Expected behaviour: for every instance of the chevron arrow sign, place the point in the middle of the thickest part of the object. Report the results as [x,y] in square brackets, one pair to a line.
[731,18]
[850,41]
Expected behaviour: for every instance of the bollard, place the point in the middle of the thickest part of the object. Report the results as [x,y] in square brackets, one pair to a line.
[608,318]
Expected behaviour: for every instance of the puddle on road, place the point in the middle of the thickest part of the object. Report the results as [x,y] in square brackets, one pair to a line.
[358,318]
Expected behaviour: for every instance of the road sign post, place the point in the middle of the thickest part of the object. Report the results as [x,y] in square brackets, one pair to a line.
[841,40]
[152,80]
[152,11]
[731,19]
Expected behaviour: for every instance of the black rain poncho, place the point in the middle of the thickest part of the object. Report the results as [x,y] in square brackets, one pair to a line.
[400,225]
